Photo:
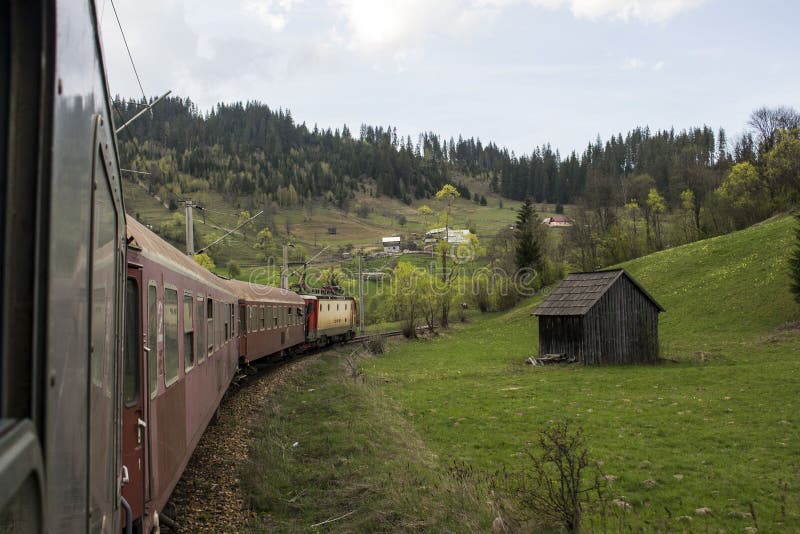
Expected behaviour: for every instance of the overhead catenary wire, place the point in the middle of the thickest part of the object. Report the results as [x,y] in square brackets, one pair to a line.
[130,56]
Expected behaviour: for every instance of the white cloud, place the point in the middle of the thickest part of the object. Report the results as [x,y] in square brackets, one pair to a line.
[632,63]
[273,13]
[642,10]
[657,66]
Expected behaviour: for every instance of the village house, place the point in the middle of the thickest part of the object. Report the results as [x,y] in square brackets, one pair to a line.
[391,245]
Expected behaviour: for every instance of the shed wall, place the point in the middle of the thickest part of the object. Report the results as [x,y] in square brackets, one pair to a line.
[622,327]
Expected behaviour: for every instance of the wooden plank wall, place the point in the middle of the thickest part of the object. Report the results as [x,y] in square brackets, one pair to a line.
[622,327]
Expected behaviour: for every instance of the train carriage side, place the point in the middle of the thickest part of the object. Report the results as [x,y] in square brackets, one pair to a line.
[271,320]
[335,318]
[177,367]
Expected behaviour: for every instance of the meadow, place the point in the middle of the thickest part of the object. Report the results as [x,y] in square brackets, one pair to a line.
[713,427]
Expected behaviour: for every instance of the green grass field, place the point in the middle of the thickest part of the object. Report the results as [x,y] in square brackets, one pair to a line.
[715,426]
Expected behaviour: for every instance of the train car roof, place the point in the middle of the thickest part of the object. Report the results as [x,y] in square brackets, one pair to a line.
[152,247]
[251,291]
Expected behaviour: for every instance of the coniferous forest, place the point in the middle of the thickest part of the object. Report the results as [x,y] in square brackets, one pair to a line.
[709,183]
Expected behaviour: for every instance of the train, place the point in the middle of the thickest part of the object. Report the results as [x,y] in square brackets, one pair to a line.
[115,348]
[187,331]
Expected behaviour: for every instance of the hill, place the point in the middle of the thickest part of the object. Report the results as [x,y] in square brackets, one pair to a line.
[715,426]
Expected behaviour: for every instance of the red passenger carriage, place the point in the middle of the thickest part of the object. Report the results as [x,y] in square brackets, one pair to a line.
[182,353]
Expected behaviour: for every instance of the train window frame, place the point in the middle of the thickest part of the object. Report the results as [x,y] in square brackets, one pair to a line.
[200,311]
[152,342]
[262,322]
[168,379]
[226,335]
[210,325]
[131,335]
[188,364]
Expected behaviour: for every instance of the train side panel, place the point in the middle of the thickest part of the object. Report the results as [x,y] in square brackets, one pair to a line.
[190,331]
[335,317]
[271,320]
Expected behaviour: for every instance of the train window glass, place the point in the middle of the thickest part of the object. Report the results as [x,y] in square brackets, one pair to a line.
[201,338]
[337,306]
[210,323]
[130,372]
[249,318]
[242,319]
[152,340]
[262,322]
[283,316]
[170,336]
[329,306]
[232,315]
[188,331]
[227,336]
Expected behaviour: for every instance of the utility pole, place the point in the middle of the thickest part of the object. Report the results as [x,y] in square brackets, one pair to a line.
[360,295]
[285,270]
[189,228]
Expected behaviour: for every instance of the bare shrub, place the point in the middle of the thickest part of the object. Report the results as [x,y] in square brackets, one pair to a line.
[376,345]
[552,489]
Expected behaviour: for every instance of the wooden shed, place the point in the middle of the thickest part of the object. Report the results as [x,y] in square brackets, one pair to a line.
[604,317]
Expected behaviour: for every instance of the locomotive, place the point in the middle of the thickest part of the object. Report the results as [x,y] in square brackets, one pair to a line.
[115,348]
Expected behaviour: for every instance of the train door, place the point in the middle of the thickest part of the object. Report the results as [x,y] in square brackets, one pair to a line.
[134,415]
[243,330]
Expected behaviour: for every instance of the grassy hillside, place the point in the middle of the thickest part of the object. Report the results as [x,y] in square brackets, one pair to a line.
[719,429]
[715,427]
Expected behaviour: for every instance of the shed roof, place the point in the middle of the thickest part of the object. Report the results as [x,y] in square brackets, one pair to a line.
[578,292]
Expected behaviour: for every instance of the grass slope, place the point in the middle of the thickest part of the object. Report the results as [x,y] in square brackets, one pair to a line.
[718,429]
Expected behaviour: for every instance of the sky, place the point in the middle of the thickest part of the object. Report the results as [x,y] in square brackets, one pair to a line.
[521,73]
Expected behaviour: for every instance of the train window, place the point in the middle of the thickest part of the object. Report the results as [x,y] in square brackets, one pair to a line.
[210,323]
[188,331]
[262,322]
[170,336]
[201,338]
[232,315]
[242,319]
[337,306]
[329,306]
[249,318]
[227,328]
[130,380]
[152,339]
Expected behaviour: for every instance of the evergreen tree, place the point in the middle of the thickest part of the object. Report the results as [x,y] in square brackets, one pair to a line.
[794,264]
[528,250]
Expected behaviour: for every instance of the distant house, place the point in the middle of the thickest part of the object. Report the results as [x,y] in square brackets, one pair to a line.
[452,236]
[391,245]
[603,317]
[558,221]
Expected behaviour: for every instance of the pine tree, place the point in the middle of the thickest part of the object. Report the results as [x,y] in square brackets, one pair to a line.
[794,264]
[528,252]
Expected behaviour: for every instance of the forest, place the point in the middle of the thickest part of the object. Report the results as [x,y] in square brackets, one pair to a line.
[632,194]
[250,149]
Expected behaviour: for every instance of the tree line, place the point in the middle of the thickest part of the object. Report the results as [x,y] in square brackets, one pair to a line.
[246,150]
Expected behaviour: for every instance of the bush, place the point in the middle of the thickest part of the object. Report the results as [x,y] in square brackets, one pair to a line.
[376,345]
[552,490]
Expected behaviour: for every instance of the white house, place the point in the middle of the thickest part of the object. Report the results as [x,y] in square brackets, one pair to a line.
[391,245]
[559,221]
[454,237]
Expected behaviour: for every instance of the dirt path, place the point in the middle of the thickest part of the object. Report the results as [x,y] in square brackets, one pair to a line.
[208,498]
